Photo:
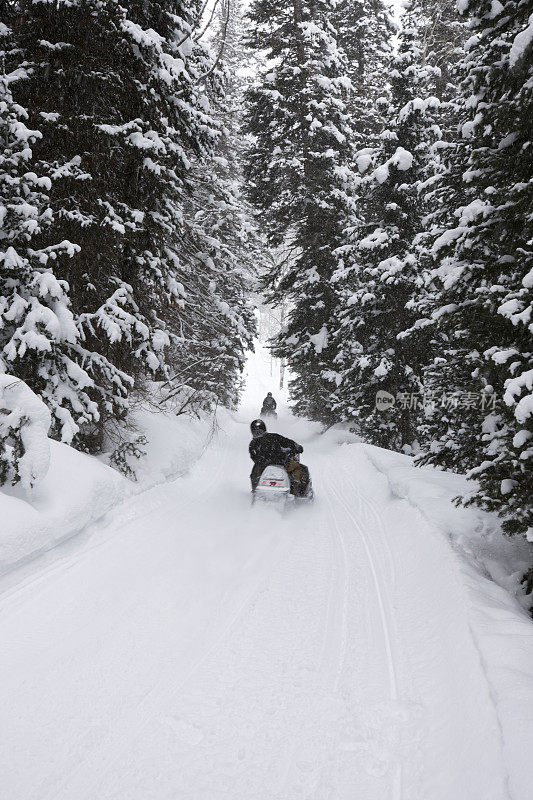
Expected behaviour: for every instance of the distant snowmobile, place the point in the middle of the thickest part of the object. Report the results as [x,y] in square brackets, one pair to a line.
[267,414]
[268,410]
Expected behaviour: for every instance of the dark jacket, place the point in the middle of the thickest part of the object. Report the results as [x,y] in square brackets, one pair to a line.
[269,404]
[271,448]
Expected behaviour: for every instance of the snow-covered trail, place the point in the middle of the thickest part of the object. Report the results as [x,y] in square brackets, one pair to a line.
[194,648]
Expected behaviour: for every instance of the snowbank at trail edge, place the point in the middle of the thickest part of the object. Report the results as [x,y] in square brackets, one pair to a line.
[76,491]
[489,570]
[475,534]
[174,443]
[79,489]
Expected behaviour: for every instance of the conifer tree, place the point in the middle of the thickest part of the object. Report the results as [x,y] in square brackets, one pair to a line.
[365,33]
[39,340]
[381,273]
[298,169]
[485,265]
[120,93]
[226,239]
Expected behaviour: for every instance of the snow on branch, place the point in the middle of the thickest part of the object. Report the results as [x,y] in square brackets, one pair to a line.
[24,424]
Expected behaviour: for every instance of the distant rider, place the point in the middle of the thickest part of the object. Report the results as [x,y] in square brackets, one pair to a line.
[269,404]
[267,449]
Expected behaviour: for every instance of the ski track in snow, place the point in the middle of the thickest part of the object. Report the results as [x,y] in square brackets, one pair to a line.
[190,647]
[357,527]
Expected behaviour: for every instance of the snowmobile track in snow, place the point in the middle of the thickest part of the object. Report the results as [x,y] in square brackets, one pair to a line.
[336,499]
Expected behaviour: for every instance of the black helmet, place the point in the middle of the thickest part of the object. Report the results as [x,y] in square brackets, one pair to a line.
[258,428]
[269,394]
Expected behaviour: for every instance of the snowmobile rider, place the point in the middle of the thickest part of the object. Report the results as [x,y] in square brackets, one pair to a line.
[267,449]
[269,404]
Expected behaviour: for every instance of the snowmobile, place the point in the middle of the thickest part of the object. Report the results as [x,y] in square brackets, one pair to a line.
[268,413]
[275,487]
[268,409]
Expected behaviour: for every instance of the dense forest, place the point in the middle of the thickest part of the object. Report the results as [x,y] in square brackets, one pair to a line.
[370,172]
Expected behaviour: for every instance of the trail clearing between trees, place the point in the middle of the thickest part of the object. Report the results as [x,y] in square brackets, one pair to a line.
[191,647]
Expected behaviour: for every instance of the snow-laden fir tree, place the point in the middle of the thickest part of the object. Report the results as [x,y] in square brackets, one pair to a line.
[39,339]
[298,170]
[441,36]
[212,328]
[485,266]
[216,326]
[91,81]
[381,273]
[365,32]
[120,95]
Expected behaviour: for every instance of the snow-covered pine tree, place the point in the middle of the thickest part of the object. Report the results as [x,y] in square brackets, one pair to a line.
[216,326]
[381,274]
[298,170]
[119,93]
[442,35]
[485,265]
[365,31]
[39,339]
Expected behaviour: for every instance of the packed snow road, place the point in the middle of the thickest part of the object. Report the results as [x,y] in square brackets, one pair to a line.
[194,648]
